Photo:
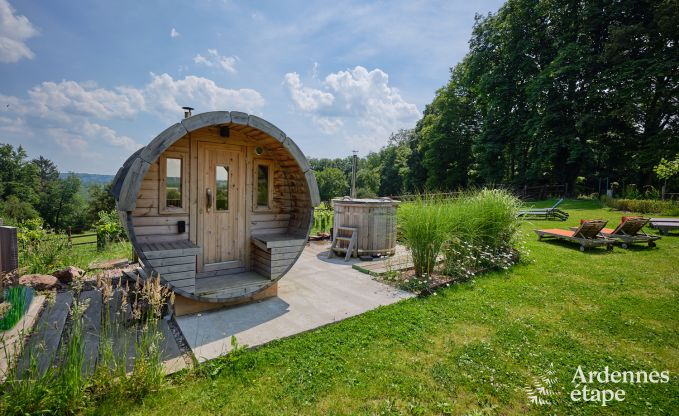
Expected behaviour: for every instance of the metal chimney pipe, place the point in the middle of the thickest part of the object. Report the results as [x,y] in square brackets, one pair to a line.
[187,111]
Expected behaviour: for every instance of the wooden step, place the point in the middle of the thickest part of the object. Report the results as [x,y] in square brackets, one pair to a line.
[43,345]
[91,326]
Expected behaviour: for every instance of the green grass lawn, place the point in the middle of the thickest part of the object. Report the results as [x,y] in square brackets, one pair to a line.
[471,348]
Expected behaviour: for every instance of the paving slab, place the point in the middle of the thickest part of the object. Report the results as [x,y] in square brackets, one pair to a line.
[91,326]
[317,291]
[44,343]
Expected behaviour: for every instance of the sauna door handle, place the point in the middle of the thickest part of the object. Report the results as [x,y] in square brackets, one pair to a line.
[209,199]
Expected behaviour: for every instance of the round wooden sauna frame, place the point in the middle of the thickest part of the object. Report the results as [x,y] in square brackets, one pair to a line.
[169,243]
[374,220]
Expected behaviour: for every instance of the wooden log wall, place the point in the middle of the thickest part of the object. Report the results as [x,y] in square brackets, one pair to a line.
[149,224]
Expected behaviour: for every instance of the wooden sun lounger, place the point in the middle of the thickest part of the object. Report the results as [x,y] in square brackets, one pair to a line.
[664,225]
[587,235]
[552,213]
[629,231]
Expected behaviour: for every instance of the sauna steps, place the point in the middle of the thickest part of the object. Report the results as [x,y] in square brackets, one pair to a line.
[351,239]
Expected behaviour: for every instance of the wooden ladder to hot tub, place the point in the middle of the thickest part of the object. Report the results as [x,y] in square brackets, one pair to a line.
[352,239]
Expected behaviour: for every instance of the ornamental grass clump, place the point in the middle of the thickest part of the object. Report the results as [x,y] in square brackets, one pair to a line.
[483,232]
[424,226]
[473,231]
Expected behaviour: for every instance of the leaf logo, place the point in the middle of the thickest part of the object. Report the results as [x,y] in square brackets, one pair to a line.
[541,390]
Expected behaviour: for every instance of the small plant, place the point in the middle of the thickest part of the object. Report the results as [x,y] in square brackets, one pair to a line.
[18,298]
[322,220]
[43,254]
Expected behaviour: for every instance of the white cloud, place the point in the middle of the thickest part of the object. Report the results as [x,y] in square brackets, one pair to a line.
[305,98]
[328,125]
[14,31]
[15,125]
[357,104]
[61,100]
[214,59]
[174,33]
[108,134]
[73,114]
[165,95]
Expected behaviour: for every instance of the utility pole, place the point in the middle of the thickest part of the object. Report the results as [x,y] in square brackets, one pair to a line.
[353,174]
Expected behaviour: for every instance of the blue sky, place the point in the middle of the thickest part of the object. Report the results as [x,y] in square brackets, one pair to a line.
[87,85]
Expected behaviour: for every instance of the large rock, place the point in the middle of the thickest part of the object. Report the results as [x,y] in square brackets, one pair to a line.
[39,281]
[67,275]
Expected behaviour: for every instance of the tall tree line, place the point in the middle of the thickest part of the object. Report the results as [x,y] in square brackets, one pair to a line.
[555,90]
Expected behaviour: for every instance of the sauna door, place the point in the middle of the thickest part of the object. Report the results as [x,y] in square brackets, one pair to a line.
[221,219]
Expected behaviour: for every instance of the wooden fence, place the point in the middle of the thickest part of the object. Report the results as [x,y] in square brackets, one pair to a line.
[526,193]
[77,237]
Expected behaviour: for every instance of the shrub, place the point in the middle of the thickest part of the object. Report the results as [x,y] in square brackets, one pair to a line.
[322,220]
[643,206]
[109,228]
[44,254]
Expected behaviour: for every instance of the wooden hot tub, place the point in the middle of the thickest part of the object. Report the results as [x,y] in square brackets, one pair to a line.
[374,222]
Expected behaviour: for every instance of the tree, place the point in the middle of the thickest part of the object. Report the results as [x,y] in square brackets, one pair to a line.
[332,183]
[17,176]
[99,199]
[16,210]
[666,169]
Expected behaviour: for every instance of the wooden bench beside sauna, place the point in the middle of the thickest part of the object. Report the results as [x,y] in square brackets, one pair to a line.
[219,204]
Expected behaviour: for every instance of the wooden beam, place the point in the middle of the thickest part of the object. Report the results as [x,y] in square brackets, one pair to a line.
[127,201]
[162,141]
[212,118]
[297,154]
[314,194]
[266,127]
[239,118]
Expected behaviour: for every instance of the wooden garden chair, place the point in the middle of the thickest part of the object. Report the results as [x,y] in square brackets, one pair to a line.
[587,234]
[629,231]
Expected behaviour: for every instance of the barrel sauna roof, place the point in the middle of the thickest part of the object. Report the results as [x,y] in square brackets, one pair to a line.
[127,182]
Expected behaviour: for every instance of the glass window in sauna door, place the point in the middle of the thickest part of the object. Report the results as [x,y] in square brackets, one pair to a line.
[222,188]
[263,186]
[173,183]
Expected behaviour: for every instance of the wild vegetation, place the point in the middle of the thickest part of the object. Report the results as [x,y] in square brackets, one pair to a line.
[66,387]
[43,251]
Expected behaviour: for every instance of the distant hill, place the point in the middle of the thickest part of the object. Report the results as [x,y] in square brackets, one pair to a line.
[88,180]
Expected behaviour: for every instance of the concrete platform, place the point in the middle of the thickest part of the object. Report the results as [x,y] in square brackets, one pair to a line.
[316,292]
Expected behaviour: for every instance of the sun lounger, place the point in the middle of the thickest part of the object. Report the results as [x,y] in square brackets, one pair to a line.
[629,232]
[552,213]
[587,235]
[664,225]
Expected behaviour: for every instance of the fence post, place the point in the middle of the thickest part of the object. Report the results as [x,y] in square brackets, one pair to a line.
[662,191]
[9,249]
[68,231]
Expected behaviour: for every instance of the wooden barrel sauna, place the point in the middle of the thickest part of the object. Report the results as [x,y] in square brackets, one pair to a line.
[219,204]
[374,222]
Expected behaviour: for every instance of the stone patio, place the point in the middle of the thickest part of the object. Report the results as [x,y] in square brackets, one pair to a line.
[317,291]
